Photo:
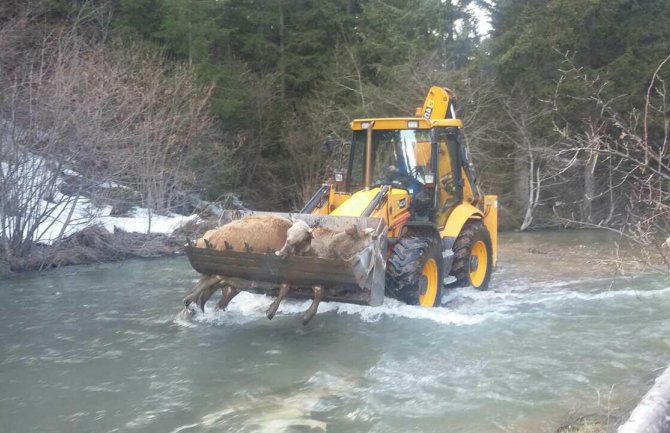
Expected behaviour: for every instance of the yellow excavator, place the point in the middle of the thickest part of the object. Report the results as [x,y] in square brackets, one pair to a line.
[410,181]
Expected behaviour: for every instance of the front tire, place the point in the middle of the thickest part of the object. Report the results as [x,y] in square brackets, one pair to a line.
[414,271]
[473,258]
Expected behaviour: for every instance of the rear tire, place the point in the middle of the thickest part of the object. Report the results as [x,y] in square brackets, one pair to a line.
[414,271]
[473,258]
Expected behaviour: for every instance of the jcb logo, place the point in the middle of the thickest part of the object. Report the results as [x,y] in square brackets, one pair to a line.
[429,110]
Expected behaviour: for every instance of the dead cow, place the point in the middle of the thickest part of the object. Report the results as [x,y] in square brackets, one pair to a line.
[298,239]
[323,243]
[252,233]
[329,244]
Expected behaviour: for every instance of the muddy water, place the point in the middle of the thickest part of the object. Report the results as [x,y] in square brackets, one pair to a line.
[98,349]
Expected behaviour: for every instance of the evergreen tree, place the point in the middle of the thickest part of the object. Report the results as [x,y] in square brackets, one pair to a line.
[622,40]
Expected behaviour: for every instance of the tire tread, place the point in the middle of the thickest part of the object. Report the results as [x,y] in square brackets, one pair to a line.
[461,265]
[405,265]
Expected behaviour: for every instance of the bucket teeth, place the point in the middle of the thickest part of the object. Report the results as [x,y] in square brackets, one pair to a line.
[272,309]
[229,292]
[319,294]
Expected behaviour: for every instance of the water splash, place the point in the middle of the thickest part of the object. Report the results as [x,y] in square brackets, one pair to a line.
[463,306]
[247,307]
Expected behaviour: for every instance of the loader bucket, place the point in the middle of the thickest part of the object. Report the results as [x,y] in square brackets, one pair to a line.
[359,280]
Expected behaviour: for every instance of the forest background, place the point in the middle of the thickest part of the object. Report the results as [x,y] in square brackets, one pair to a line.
[564,101]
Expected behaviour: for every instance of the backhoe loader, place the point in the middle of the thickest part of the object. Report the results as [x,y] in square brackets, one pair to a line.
[411,181]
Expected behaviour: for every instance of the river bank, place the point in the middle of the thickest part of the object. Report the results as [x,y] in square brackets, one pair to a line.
[97,244]
[553,255]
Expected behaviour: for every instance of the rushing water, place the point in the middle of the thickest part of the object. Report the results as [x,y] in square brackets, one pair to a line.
[99,349]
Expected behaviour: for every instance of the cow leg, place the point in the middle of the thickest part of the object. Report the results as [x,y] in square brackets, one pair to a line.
[203,290]
[319,294]
[272,309]
[205,294]
[229,292]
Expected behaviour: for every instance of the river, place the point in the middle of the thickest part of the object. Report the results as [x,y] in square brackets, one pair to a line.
[101,349]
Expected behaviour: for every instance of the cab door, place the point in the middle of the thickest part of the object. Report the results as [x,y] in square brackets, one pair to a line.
[448,184]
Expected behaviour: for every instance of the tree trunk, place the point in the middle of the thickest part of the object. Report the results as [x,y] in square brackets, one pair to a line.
[522,189]
[652,413]
[282,59]
[589,186]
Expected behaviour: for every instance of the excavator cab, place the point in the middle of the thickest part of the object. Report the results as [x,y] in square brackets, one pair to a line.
[400,158]
[410,180]
[415,160]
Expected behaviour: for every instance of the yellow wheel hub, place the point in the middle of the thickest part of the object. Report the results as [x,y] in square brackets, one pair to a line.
[479,263]
[427,299]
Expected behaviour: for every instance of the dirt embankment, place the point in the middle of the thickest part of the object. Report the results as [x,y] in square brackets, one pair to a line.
[561,255]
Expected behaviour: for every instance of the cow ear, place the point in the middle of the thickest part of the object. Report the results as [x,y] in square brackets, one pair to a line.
[371,233]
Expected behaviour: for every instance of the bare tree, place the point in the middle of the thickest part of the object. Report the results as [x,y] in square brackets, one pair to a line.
[626,163]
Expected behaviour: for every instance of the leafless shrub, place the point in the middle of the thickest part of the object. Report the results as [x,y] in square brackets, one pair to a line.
[103,115]
[625,158]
